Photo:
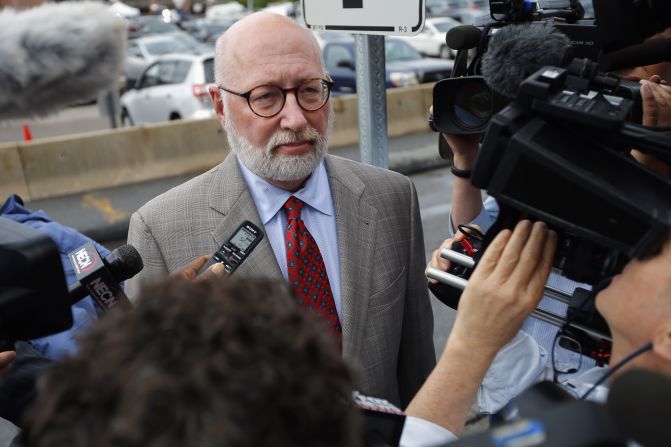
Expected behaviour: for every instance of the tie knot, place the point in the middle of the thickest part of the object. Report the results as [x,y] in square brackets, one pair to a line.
[293,207]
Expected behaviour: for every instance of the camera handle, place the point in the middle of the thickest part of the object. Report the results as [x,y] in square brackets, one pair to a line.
[540,314]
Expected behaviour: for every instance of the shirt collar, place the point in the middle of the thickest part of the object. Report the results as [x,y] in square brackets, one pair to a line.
[269,199]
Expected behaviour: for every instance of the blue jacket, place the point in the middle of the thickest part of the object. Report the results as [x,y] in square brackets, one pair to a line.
[67,239]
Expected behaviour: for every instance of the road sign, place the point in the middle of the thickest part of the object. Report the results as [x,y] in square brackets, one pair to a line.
[395,17]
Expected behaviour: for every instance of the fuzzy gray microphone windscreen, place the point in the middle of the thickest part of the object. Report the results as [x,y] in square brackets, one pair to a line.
[57,54]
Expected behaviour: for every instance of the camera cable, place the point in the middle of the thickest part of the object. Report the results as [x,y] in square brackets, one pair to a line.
[643,349]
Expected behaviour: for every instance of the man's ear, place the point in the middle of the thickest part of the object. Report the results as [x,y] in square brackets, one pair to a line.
[215,94]
[661,345]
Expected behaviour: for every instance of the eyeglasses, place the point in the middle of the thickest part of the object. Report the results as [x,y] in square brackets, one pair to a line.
[570,360]
[268,100]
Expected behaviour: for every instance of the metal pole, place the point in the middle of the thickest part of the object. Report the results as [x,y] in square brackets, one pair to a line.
[372,93]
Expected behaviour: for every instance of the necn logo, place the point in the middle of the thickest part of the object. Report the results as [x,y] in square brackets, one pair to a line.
[84,261]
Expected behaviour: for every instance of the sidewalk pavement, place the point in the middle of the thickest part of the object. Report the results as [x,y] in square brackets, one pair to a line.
[104,214]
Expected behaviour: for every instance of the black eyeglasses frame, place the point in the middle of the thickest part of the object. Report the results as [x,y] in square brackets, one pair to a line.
[325,83]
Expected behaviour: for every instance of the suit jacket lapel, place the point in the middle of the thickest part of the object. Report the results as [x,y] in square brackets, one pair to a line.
[233,204]
[355,224]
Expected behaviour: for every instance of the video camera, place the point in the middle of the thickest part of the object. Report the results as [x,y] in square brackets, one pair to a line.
[464,103]
[35,300]
[559,152]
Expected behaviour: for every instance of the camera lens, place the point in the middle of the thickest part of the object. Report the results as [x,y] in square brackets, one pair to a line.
[473,104]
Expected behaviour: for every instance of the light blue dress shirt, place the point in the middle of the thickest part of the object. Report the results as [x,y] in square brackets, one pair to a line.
[318,213]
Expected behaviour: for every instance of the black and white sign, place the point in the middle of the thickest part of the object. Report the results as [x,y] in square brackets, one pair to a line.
[394,17]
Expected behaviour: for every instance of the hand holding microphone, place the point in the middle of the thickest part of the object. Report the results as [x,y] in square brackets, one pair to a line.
[190,271]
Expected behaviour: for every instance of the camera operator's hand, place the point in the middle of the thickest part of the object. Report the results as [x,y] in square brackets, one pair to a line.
[6,359]
[465,149]
[656,96]
[505,287]
[440,263]
[190,271]
[656,102]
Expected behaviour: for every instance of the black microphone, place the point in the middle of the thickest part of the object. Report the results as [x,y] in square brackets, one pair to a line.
[463,37]
[515,52]
[99,277]
[638,402]
[57,54]
[650,52]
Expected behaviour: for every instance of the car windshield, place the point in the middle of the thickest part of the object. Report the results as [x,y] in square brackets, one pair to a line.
[173,45]
[396,50]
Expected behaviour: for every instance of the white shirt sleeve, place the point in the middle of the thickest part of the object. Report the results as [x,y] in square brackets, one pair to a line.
[422,433]
[517,366]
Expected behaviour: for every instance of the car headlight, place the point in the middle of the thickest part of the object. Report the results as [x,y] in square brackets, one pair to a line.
[403,78]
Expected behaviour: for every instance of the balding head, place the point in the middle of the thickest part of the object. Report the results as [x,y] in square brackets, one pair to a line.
[245,45]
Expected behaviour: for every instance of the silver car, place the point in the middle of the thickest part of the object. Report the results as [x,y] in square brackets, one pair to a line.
[146,49]
[173,87]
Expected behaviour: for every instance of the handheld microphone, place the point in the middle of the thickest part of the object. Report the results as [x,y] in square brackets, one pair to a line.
[515,52]
[56,54]
[100,277]
[235,250]
[638,402]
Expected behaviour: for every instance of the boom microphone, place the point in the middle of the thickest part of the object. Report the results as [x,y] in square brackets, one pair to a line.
[56,54]
[516,52]
[101,277]
[638,402]
[463,37]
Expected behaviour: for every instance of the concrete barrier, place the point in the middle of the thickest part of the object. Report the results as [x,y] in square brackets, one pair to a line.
[54,167]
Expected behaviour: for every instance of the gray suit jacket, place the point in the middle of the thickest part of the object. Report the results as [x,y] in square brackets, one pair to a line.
[386,314]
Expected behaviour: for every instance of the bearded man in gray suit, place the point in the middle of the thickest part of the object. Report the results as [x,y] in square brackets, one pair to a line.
[360,224]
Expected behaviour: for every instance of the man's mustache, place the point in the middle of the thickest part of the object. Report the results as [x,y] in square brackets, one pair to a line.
[281,137]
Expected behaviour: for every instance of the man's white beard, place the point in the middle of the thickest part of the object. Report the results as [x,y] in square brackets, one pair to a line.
[264,162]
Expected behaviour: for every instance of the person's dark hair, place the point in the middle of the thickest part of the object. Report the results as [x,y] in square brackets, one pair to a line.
[215,363]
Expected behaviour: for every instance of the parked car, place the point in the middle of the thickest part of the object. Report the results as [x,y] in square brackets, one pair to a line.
[206,31]
[431,41]
[145,50]
[324,37]
[173,87]
[404,65]
[471,16]
[226,11]
[143,25]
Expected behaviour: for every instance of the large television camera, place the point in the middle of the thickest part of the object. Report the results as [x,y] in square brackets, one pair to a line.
[559,152]
[482,83]
[35,300]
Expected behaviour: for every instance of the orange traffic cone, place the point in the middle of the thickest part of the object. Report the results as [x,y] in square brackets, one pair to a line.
[27,136]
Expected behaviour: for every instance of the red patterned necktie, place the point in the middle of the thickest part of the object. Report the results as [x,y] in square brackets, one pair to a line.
[307,274]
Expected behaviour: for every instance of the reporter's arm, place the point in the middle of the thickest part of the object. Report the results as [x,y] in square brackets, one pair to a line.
[504,289]
[466,198]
